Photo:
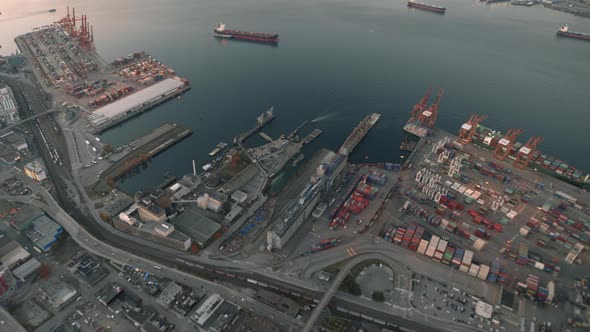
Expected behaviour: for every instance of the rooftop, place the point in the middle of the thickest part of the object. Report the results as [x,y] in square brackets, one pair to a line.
[195,225]
[136,100]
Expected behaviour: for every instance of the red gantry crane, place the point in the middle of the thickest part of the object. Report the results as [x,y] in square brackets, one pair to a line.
[419,107]
[524,154]
[506,143]
[84,33]
[428,117]
[468,128]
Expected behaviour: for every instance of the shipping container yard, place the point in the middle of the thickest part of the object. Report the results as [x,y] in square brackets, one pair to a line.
[66,62]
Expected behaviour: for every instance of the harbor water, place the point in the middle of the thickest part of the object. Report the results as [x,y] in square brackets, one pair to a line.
[338,61]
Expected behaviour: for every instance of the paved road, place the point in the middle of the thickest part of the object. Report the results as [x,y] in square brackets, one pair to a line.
[93,245]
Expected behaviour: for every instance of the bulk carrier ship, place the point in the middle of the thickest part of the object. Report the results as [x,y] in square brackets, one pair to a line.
[222,32]
[564,32]
[424,6]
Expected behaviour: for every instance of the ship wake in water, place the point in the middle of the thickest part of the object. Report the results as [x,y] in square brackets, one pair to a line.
[324,117]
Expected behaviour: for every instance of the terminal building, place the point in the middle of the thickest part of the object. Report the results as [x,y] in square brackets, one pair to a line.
[8,106]
[133,103]
[35,171]
[301,208]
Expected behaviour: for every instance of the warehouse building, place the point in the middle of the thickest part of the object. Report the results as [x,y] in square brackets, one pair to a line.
[48,232]
[29,267]
[13,254]
[135,102]
[8,106]
[148,211]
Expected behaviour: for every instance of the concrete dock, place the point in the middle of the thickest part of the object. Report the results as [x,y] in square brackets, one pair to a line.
[145,148]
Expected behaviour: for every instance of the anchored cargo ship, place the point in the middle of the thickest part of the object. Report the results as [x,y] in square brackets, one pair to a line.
[222,32]
[564,31]
[424,6]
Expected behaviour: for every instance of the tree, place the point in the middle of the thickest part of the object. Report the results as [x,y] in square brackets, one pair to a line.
[378,296]
[106,149]
[105,216]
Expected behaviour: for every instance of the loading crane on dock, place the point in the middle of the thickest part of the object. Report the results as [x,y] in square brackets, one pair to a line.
[506,143]
[468,128]
[525,153]
[84,34]
[428,117]
[419,107]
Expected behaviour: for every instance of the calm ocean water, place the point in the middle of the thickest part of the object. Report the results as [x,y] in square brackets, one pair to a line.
[341,59]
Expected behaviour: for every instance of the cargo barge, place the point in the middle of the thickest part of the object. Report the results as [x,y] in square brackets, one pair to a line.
[488,138]
[564,32]
[428,7]
[359,133]
[222,32]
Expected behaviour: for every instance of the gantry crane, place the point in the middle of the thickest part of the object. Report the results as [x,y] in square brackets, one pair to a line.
[428,117]
[468,128]
[525,153]
[506,143]
[420,107]
[84,33]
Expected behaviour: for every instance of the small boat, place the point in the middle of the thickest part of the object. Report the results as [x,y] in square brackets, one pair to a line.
[52,10]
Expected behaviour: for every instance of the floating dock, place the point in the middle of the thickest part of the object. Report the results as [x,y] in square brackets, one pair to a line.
[263,119]
[359,133]
[311,136]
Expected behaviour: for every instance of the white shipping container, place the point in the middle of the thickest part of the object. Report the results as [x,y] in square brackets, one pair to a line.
[474,270]
[484,270]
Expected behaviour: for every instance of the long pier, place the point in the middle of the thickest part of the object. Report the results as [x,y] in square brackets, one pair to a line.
[145,148]
[311,136]
[262,121]
[359,133]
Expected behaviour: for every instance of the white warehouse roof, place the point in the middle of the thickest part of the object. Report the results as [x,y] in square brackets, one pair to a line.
[136,100]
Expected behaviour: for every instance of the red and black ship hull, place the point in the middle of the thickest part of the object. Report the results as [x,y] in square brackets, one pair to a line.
[575,35]
[271,38]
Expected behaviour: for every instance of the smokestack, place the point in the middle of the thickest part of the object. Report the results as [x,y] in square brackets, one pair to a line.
[194,168]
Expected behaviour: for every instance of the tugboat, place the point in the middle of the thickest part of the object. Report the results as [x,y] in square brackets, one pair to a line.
[52,10]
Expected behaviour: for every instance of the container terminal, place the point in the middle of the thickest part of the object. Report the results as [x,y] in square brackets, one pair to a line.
[475,220]
[66,62]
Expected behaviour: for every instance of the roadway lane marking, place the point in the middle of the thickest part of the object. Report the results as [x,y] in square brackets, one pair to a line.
[351,252]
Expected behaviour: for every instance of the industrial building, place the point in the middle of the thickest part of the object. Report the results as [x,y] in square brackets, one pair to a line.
[135,102]
[47,232]
[13,254]
[206,310]
[8,106]
[239,196]
[29,267]
[212,200]
[148,211]
[233,213]
[60,294]
[149,230]
[200,228]
[16,141]
[290,220]
[35,171]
